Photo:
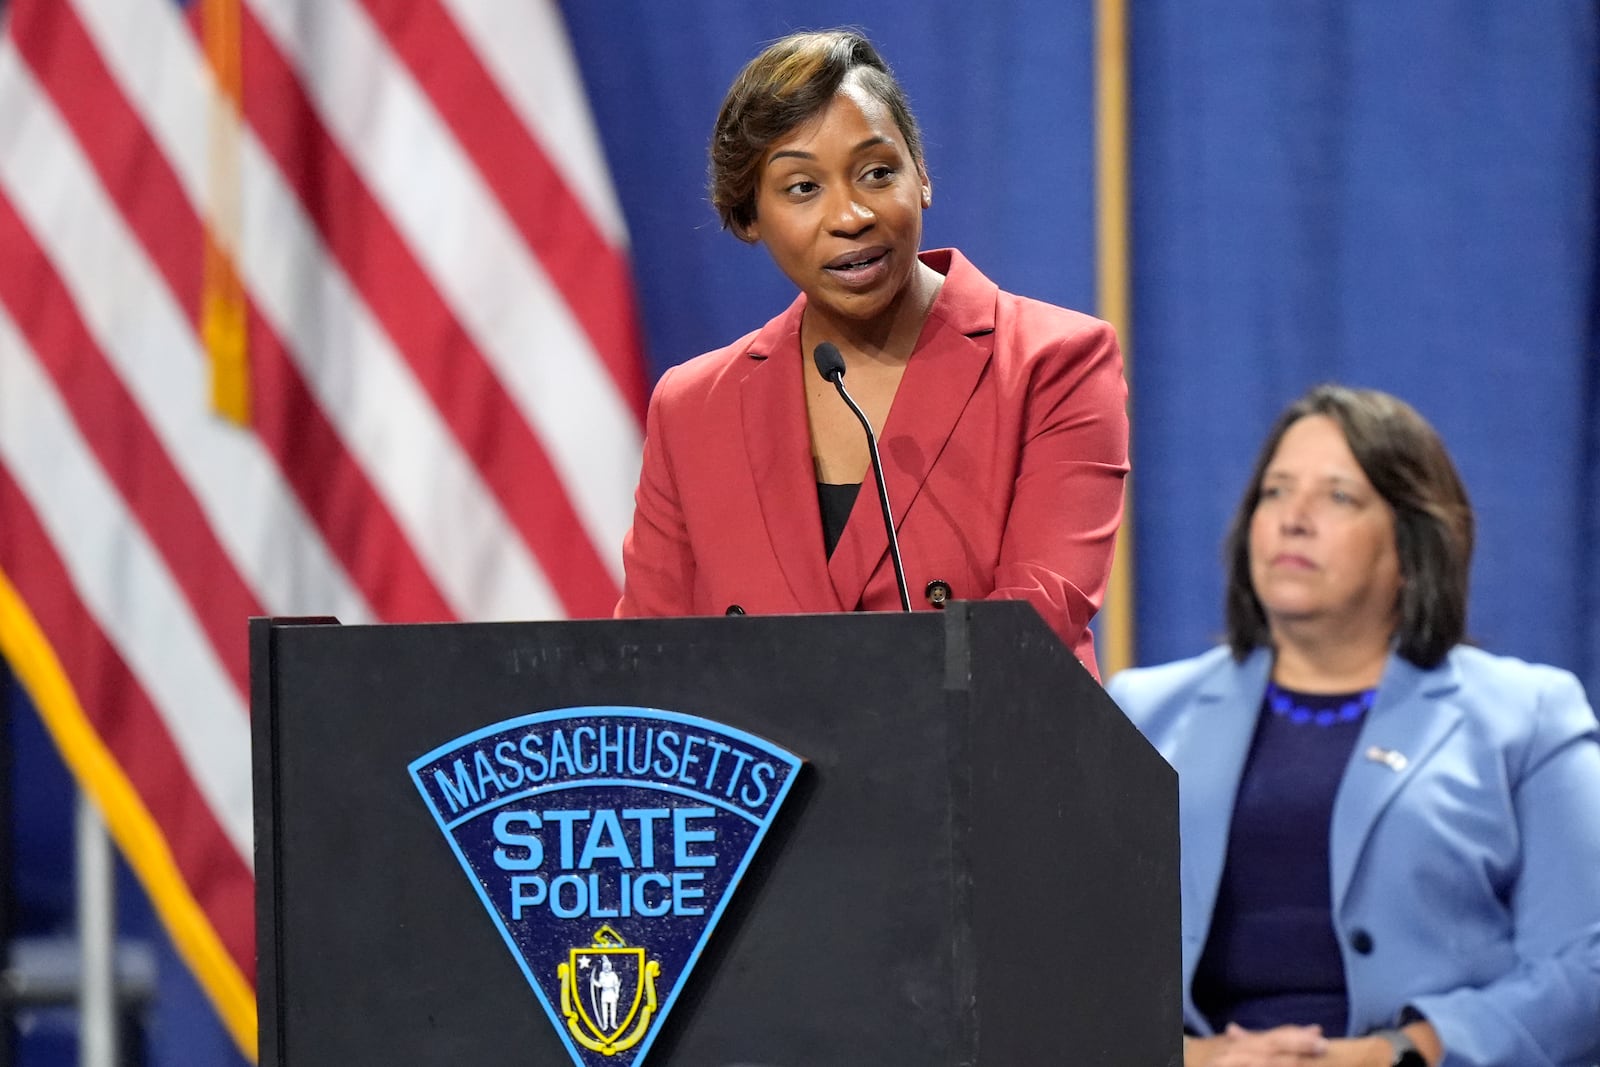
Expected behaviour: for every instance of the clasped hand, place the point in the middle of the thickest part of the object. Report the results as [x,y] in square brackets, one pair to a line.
[1283,1046]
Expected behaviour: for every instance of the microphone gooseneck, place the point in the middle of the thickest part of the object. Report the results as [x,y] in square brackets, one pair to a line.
[830,364]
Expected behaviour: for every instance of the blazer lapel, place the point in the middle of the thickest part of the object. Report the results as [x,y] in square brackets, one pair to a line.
[956,344]
[1408,721]
[1209,766]
[777,441]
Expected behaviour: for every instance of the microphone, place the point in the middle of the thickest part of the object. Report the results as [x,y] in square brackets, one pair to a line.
[830,364]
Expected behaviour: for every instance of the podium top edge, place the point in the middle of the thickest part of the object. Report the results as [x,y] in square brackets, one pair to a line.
[964,608]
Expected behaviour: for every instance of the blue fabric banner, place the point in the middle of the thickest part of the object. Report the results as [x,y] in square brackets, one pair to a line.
[1400,196]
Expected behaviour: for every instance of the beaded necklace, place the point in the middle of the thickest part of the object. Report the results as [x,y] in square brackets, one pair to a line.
[1349,709]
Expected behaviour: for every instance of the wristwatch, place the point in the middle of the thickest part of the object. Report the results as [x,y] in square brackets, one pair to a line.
[1405,1050]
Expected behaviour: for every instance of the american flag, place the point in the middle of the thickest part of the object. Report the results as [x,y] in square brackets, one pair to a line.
[306,307]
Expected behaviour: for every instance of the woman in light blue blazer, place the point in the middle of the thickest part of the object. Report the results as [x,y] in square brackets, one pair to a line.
[1391,841]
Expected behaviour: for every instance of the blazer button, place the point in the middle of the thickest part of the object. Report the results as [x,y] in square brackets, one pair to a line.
[1361,941]
[734,609]
[937,592]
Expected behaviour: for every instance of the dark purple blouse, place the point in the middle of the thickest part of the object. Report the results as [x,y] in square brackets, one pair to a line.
[1272,956]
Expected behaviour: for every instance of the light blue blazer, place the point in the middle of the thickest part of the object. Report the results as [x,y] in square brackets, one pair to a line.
[1465,846]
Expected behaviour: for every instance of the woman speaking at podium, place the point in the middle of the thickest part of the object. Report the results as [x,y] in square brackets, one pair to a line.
[1000,420]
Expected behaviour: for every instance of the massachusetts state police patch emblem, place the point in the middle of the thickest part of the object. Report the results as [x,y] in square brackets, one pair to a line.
[605,844]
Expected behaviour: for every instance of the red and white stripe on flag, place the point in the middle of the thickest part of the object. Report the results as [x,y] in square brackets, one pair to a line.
[444,374]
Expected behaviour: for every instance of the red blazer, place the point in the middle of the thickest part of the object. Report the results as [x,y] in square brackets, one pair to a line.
[1004,451]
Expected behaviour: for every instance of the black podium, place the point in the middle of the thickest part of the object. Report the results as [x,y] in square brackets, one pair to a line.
[976,862]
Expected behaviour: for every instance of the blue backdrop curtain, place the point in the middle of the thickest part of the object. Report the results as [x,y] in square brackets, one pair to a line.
[1392,195]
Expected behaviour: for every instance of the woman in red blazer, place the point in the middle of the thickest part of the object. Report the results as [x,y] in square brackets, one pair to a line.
[1001,420]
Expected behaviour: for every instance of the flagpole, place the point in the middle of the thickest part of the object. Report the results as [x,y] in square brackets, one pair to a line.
[1112,287]
[97,940]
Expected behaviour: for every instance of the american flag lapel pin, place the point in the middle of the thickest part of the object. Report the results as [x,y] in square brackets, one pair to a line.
[1395,761]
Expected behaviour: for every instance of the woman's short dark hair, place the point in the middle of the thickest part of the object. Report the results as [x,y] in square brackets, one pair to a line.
[792,80]
[1406,462]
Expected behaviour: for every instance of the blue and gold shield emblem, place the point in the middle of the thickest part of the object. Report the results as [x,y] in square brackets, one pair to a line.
[608,993]
[605,844]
